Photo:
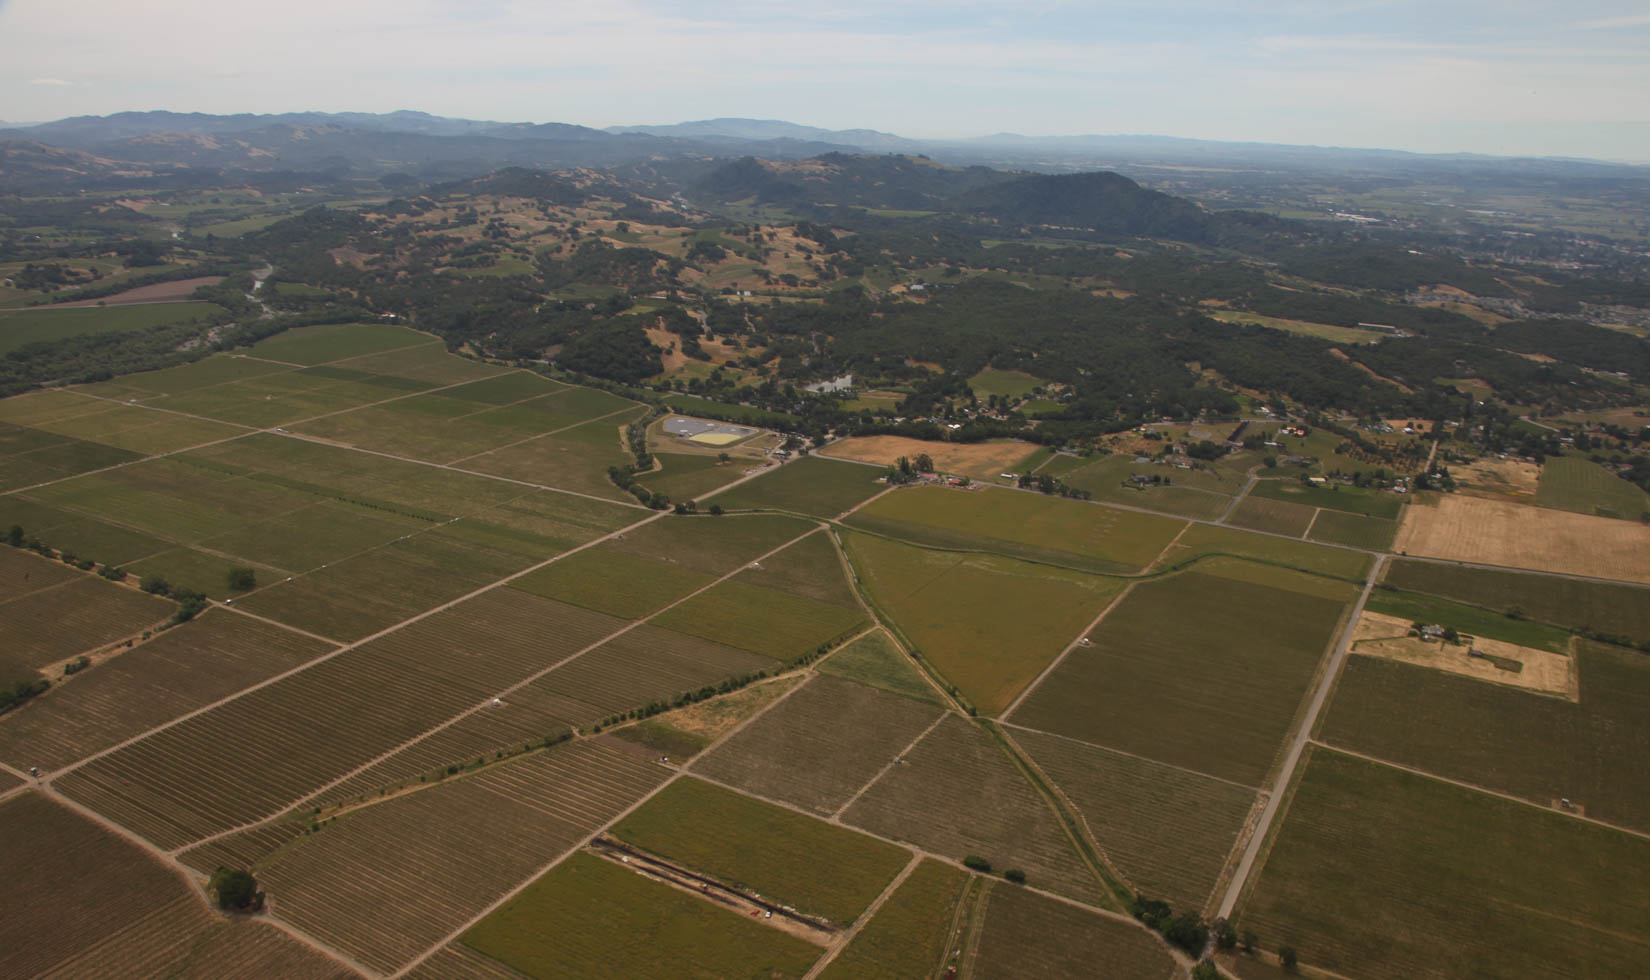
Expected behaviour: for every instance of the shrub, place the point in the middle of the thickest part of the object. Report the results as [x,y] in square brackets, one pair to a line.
[155,585]
[14,537]
[1225,933]
[1015,875]
[977,863]
[237,890]
[1288,958]
[1205,971]
[1188,931]
[241,579]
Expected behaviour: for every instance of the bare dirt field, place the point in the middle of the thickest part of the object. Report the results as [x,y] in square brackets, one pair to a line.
[160,292]
[980,460]
[1378,635]
[1510,477]
[1494,532]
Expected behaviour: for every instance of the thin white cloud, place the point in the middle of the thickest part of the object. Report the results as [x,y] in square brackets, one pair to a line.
[1605,23]
[50,81]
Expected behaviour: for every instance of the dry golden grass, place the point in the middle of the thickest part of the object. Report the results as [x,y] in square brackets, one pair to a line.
[980,460]
[1493,532]
[1379,635]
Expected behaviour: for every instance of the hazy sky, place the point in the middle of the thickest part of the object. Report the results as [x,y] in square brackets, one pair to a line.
[1491,76]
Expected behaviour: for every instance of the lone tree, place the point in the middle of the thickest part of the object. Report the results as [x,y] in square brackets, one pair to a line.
[241,579]
[1288,958]
[237,891]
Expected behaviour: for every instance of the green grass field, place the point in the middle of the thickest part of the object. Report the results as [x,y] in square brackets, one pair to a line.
[686,476]
[910,934]
[1382,873]
[28,326]
[810,569]
[873,660]
[813,485]
[1615,610]
[612,922]
[1353,530]
[1021,525]
[1197,671]
[1370,503]
[1203,539]
[711,830]
[1273,516]
[715,545]
[1306,328]
[336,341]
[1534,746]
[1418,607]
[613,582]
[1580,485]
[990,625]
[1003,384]
[575,459]
[765,621]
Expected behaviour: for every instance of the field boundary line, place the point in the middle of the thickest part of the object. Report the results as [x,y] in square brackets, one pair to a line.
[458,469]
[348,647]
[565,388]
[944,714]
[8,600]
[485,702]
[1399,556]
[678,773]
[1073,645]
[1306,535]
[1487,791]
[1172,542]
[1298,741]
[237,610]
[545,434]
[1238,498]
[191,882]
[1132,755]
[842,941]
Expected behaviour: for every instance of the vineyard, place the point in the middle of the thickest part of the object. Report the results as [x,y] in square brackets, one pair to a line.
[178,671]
[989,809]
[255,755]
[821,746]
[380,885]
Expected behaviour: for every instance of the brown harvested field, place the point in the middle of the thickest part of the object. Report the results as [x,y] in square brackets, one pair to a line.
[1276,516]
[456,961]
[161,292]
[1543,671]
[44,627]
[980,460]
[1168,831]
[8,781]
[1030,935]
[67,884]
[1491,532]
[821,746]
[208,658]
[958,793]
[387,882]
[1198,671]
[183,939]
[258,754]
[1512,478]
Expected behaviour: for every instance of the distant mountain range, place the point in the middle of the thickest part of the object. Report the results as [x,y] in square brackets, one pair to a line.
[170,148]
